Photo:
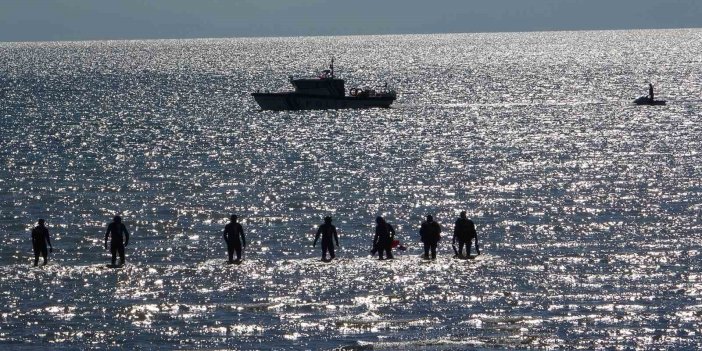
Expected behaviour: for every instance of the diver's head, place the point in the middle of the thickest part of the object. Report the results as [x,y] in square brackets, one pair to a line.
[117,219]
[41,221]
[233,218]
[463,214]
[379,220]
[327,219]
[430,218]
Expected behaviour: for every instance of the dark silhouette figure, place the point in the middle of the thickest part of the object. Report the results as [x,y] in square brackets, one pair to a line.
[464,232]
[430,233]
[384,236]
[327,231]
[40,239]
[115,230]
[650,91]
[235,239]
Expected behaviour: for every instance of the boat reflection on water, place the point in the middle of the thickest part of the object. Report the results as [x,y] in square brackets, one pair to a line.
[324,92]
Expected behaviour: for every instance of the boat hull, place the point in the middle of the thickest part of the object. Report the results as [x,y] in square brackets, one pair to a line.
[296,101]
[645,100]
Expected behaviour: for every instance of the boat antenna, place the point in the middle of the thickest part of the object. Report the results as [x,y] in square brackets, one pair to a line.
[331,67]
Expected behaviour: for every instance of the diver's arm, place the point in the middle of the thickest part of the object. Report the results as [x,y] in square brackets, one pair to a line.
[243,238]
[336,237]
[48,241]
[316,237]
[473,234]
[455,234]
[477,248]
[126,234]
[107,235]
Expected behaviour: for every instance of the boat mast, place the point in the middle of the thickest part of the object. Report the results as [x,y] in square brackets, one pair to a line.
[331,67]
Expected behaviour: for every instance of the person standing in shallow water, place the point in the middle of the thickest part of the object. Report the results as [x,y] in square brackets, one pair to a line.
[384,235]
[430,233]
[327,231]
[235,239]
[464,232]
[40,239]
[650,91]
[119,234]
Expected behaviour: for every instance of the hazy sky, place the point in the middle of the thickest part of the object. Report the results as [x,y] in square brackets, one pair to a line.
[24,20]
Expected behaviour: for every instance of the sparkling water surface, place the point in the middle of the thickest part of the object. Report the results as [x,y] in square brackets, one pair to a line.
[588,207]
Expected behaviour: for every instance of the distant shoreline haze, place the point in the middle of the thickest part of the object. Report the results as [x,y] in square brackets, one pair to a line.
[80,20]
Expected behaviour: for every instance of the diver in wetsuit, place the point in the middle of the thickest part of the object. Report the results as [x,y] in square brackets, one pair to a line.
[430,233]
[232,232]
[327,231]
[40,239]
[464,232]
[384,235]
[119,242]
[650,91]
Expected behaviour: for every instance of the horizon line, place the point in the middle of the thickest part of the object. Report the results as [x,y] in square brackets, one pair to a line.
[342,35]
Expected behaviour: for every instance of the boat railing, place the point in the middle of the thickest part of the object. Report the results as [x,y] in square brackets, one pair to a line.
[377,91]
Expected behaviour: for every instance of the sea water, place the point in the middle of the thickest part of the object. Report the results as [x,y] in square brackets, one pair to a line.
[587,207]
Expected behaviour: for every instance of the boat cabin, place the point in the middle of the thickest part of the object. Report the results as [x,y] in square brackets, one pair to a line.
[320,86]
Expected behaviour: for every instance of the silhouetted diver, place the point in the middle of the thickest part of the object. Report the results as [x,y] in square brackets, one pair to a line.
[464,232]
[384,235]
[119,242]
[232,232]
[650,92]
[327,231]
[40,239]
[430,233]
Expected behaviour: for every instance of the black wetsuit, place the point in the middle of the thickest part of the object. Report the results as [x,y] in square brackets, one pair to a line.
[235,239]
[650,92]
[382,242]
[327,231]
[464,233]
[40,243]
[115,231]
[430,232]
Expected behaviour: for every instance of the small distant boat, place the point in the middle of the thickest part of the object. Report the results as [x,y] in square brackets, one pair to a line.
[645,100]
[324,92]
